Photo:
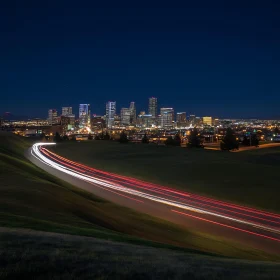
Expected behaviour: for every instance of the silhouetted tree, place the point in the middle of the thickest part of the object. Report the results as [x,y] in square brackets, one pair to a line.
[254,140]
[177,140]
[246,141]
[145,139]
[90,136]
[169,141]
[229,142]
[43,137]
[123,138]
[194,140]
[276,130]
[57,137]
[106,136]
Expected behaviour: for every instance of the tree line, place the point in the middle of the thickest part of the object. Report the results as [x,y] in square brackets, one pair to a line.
[229,141]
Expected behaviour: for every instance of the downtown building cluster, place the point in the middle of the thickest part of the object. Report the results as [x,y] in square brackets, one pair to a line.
[156,121]
[164,118]
[155,117]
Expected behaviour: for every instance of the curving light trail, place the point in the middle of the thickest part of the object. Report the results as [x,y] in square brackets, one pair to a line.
[137,189]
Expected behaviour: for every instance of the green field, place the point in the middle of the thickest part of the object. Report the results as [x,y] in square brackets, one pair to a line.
[251,177]
[31,198]
[50,229]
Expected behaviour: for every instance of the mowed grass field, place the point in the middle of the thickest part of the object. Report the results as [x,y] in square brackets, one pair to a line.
[250,177]
[31,198]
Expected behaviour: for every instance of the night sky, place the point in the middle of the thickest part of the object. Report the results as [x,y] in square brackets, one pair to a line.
[219,58]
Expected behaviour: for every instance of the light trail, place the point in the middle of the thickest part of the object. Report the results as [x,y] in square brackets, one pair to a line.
[147,186]
[159,189]
[166,191]
[227,226]
[117,184]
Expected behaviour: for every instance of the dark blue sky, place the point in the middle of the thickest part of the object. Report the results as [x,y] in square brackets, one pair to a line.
[219,58]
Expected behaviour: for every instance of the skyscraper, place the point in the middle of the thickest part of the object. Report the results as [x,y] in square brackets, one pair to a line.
[144,120]
[110,113]
[84,115]
[181,118]
[66,111]
[167,117]
[192,120]
[125,116]
[132,109]
[52,116]
[153,107]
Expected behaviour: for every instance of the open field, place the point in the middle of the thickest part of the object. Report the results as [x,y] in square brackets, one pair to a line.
[30,198]
[250,177]
[44,255]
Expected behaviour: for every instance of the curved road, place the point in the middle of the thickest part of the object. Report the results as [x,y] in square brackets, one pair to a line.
[253,227]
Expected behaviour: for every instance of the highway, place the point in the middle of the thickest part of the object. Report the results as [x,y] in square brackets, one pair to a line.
[249,226]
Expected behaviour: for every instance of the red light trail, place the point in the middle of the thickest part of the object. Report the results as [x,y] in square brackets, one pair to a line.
[242,217]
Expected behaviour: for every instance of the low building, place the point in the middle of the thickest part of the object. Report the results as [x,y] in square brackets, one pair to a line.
[207,121]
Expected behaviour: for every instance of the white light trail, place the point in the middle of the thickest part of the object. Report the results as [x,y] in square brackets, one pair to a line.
[35,151]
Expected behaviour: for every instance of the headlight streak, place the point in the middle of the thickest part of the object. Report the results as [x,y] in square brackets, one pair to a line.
[166,191]
[117,187]
[144,185]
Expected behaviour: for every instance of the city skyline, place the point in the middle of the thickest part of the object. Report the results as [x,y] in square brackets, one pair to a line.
[74,111]
[208,59]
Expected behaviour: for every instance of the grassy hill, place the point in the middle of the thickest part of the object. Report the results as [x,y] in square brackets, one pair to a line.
[250,178]
[43,255]
[33,199]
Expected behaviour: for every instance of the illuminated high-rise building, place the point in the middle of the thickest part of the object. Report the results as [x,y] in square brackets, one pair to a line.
[153,107]
[181,119]
[216,122]
[52,116]
[144,120]
[125,116]
[198,121]
[132,109]
[192,120]
[84,115]
[66,111]
[167,117]
[110,113]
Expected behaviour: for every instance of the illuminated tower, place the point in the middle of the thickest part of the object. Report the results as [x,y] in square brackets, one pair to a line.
[110,113]
[84,115]
[153,106]
[167,117]
[66,111]
[132,109]
[52,116]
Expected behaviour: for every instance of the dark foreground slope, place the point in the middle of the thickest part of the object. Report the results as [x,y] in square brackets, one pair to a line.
[32,199]
[44,255]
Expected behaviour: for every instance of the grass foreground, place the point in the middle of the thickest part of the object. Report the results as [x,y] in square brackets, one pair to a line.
[249,178]
[43,255]
[33,199]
